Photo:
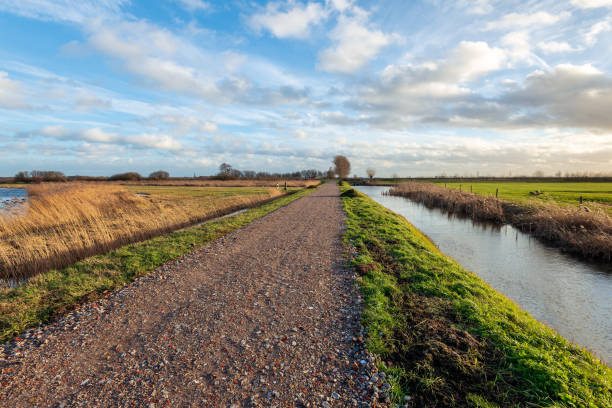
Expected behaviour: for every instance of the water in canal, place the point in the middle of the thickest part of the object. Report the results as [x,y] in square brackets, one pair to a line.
[11,195]
[571,296]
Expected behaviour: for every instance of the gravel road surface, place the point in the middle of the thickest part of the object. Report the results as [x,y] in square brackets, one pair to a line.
[266,316]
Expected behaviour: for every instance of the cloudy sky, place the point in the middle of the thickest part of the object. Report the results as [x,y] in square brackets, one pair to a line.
[407,87]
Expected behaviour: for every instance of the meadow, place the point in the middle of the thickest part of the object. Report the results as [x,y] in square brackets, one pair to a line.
[446,338]
[65,222]
[560,193]
[584,230]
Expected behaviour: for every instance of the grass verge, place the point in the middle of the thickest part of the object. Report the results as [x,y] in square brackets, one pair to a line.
[446,338]
[53,293]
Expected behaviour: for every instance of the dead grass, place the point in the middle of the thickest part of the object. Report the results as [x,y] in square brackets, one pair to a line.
[581,230]
[63,223]
[223,183]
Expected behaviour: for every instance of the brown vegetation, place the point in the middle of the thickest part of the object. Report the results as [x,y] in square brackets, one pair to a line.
[63,223]
[214,182]
[583,231]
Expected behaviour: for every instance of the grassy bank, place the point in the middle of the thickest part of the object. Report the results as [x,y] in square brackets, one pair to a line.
[52,293]
[65,222]
[584,231]
[447,338]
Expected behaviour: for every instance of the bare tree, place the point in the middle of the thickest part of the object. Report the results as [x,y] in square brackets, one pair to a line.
[225,169]
[371,173]
[342,166]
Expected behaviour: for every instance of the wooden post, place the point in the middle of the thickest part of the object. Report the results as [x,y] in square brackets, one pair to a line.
[470,188]
[285,185]
[581,200]
[459,187]
[496,192]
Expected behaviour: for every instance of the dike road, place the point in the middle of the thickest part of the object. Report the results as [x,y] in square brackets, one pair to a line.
[266,316]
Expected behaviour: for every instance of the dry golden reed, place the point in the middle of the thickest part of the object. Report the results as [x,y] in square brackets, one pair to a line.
[63,223]
[222,183]
[584,231]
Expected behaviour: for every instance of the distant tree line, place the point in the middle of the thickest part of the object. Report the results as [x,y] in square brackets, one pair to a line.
[227,172]
[38,176]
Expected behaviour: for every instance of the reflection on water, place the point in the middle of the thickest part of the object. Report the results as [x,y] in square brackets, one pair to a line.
[12,195]
[573,297]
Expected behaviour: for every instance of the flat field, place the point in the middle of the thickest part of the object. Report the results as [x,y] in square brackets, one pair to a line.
[221,183]
[561,193]
[65,222]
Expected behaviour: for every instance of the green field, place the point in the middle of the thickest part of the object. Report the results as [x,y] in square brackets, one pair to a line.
[562,193]
[447,338]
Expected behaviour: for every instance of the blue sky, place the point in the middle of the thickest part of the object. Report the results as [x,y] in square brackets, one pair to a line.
[406,87]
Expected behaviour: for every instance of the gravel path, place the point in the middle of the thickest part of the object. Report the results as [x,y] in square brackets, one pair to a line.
[266,316]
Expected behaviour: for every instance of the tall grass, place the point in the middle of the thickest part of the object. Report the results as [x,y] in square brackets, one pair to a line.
[63,223]
[224,183]
[583,231]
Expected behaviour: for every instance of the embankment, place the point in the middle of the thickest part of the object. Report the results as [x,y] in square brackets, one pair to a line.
[446,338]
[582,231]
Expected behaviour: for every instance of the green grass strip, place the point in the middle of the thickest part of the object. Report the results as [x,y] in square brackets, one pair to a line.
[422,308]
[51,294]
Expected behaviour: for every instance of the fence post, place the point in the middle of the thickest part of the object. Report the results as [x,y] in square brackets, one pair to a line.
[459,187]
[496,193]
[470,188]
[580,200]
[285,185]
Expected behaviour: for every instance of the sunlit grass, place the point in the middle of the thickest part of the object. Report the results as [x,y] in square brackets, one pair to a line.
[448,338]
[65,222]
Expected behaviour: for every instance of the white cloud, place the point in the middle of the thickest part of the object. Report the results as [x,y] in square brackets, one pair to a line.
[300,134]
[590,37]
[97,135]
[520,20]
[478,7]
[356,44]
[149,52]
[63,10]
[194,5]
[341,5]
[289,20]
[552,47]
[592,3]
[11,94]
[87,101]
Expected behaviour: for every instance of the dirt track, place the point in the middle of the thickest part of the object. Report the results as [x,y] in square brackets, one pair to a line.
[266,316]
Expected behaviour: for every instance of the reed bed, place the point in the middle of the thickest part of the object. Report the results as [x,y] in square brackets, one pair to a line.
[583,230]
[63,223]
[222,183]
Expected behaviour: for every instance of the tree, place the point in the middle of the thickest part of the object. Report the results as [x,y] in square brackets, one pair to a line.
[342,166]
[130,176]
[371,173]
[330,173]
[159,175]
[225,169]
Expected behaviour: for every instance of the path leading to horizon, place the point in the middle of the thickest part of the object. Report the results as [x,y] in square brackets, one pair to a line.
[265,316]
